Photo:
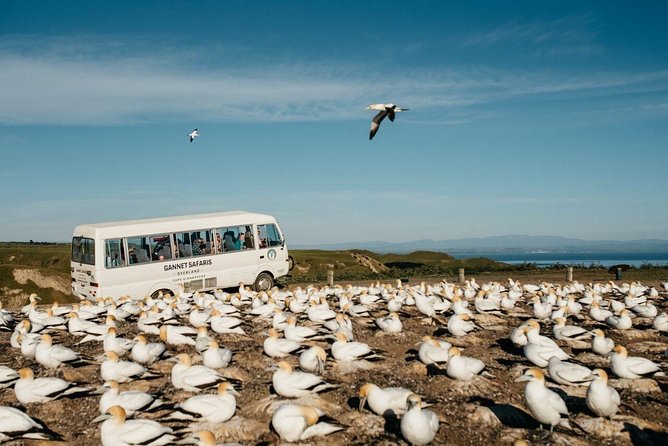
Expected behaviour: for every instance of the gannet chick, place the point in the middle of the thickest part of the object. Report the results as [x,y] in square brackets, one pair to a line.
[463,368]
[383,400]
[567,373]
[116,431]
[544,405]
[215,357]
[601,345]
[418,426]
[630,367]
[293,422]
[432,351]
[114,369]
[15,425]
[313,360]
[131,400]
[390,323]
[293,384]
[384,110]
[146,352]
[276,347]
[216,408]
[621,322]
[460,324]
[41,390]
[602,399]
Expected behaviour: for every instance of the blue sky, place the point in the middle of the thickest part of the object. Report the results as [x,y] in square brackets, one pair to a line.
[542,118]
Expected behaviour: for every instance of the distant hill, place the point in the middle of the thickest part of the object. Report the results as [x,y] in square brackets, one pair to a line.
[503,243]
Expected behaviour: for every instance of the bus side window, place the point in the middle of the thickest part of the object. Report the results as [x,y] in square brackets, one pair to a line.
[273,237]
[114,254]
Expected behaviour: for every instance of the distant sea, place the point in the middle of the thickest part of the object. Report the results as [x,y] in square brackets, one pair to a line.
[544,259]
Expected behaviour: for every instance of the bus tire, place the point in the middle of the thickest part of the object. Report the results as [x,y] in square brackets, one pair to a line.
[263,282]
[163,290]
[291,263]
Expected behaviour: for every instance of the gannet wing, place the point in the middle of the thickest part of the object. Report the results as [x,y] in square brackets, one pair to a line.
[375,123]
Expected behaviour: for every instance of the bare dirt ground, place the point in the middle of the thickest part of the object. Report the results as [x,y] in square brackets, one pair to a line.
[484,411]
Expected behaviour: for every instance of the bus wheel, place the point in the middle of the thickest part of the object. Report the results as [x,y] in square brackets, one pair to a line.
[264,282]
[163,291]
[291,263]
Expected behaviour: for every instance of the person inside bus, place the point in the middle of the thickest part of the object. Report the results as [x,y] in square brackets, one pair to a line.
[133,256]
[229,241]
[199,247]
[263,241]
[239,243]
[218,245]
[248,240]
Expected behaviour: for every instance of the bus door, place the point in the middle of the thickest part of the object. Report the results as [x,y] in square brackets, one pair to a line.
[273,255]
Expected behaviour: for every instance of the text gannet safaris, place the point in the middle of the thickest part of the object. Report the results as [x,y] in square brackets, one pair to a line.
[418,426]
[384,110]
[130,400]
[276,347]
[293,422]
[194,378]
[544,405]
[630,367]
[146,352]
[567,373]
[381,400]
[51,356]
[313,360]
[115,369]
[40,390]
[293,384]
[600,344]
[216,408]
[342,350]
[116,431]
[464,368]
[15,424]
[602,399]
[192,135]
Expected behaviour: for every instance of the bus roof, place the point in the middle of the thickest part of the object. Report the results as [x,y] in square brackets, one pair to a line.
[175,222]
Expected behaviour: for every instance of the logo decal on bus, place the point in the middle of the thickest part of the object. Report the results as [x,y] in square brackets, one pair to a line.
[271,254]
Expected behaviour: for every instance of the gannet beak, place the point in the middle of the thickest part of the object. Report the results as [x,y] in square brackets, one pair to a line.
[104,416]
[362,403]
[523,378]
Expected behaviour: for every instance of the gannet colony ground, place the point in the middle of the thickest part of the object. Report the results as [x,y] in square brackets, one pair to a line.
[386,363]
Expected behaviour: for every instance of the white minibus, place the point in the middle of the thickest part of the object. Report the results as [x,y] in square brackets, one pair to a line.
[177,254]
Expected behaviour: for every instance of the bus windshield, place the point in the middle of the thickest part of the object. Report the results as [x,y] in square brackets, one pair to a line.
[83,250]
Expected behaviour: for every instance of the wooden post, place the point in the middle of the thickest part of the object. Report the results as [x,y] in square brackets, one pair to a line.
[569,274]
[330,277]
[618,274]
[462,278]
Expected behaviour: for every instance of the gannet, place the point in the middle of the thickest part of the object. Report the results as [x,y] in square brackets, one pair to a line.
[463,368]
[293,422]
[15,424]
[540,349]
[545,405]
[51,356]
[216,408]
[112,343]
[293,384]
[202,340]
[28,344]
[630,367]
[565,332]
[296,333]
[660,323]
[390,323]
[388,110]
[433,351]
[645,310]
[117,431]
[40,390]
[215,357]
[7,377]
[146,352]
[130,400]
[381,400]
[597,313]
[115,369]
[313,360]
[175,335]
[192,135]
[276,347]
[567,373]
[621,322]
[225,323]
[600,344]
[194,378]
[418,426]
[460,324]
[342,350]
[602,399]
